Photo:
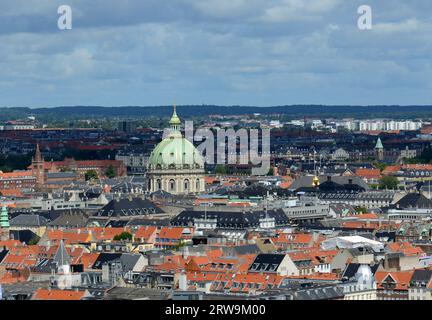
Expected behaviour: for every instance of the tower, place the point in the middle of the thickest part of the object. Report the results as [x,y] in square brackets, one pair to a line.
[38,167]
[63,261]
[4,224]
[379,150]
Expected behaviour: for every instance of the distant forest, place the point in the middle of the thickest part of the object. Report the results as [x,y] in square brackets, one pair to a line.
[288,111]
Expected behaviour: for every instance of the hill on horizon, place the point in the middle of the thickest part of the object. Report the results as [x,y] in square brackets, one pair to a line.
[290,111]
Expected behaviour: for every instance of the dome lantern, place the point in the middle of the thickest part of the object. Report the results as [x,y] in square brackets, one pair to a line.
[175,121]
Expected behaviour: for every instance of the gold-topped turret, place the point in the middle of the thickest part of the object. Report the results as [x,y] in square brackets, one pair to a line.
[315,181]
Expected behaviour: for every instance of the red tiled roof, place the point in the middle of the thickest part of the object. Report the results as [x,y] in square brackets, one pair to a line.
[419,166]
[368,173]
[172,232]
[145,232]
[391,169]
[47,294]
[16,174]
[11,193]
[406,248]
[366,216]
[402,278]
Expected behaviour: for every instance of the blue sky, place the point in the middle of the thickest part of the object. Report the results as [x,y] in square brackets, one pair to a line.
[227,52]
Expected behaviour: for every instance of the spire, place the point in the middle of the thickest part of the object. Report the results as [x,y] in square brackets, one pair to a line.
[62,257]
[175,121]
[4,218]
[38,154]
[379,144]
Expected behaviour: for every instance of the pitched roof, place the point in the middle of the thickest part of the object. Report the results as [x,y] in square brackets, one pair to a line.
[28,220]
[129,208]
[401,278]
[414,200]
[62,257]
[172,232]
[16,175]
[230,219]
[70,221]
[88,259]
[52,294]
[267,262]
[406,248]
[422,275]
[352,268]
[145,232]
[368,173]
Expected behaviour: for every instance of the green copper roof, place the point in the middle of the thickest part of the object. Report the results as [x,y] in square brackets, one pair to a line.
[379,144]
[175,152]
[4,218]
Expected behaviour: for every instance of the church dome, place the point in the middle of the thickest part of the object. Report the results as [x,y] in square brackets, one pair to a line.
[175,151]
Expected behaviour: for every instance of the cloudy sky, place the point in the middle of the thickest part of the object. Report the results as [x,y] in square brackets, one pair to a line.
[228,52]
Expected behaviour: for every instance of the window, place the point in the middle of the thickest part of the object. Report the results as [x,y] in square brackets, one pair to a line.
[255,266]
[172,185]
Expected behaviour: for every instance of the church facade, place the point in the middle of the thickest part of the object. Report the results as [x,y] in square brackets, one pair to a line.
[175,165]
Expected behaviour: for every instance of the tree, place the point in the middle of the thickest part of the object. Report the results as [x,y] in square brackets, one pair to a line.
[123,236]
[361,210]
[388,182]
[91,175]
[220,169]
[110,172]
[379,165]
[271,171]
[34,240]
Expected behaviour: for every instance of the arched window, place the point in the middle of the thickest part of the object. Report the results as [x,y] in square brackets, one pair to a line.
[197,185]
[186,185]
[158,167]
[172,185]
[159,184]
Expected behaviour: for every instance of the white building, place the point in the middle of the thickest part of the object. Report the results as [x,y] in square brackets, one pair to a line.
[351,242]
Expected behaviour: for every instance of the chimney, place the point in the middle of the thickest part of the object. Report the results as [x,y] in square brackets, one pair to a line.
[350,181]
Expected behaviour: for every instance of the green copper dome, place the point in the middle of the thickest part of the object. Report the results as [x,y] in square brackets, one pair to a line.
[175,152]
[4,218]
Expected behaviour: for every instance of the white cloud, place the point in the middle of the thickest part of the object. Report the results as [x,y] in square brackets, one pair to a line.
[226,51]
[409,25]
[289,10]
